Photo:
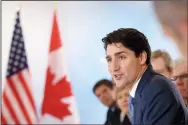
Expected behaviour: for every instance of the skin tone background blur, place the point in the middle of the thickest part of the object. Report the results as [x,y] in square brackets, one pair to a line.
[82,25]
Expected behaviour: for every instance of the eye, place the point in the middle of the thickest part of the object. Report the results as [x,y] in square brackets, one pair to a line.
[119,97]
[98,95]
[105,90]
[122,57]
[108,60]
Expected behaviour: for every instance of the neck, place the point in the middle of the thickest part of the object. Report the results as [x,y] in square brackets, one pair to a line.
[186,101]
[143,69]
[113,104]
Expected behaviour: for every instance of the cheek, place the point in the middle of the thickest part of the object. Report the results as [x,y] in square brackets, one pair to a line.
[109,69]
[129,70]
[124,67]
[186,84]
[119,102]
[109,95]
[128,64]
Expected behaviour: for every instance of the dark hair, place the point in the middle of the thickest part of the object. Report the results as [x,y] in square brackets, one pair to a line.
[131,39]
[105,82]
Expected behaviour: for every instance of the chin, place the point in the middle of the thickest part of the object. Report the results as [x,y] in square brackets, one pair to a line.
[119,84]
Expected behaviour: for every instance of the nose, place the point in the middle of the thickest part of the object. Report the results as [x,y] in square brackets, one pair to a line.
[115,66]
[179,82]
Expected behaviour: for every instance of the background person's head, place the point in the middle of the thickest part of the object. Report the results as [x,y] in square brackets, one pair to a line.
[122,96]
[162,63]
[127,53]
[180,77]
[173,17]
[114,90]
[103,89]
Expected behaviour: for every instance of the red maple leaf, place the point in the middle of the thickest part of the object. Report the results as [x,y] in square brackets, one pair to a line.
[53,94]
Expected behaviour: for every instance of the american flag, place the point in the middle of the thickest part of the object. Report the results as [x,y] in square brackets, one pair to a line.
[18,103]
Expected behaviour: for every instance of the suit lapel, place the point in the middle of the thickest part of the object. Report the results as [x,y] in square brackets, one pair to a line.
[139,89]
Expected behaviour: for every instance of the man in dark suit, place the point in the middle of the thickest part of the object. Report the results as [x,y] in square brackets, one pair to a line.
[180,78]
[103,89]
[153,98]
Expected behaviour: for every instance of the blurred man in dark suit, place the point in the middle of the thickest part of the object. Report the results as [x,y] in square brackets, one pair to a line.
[173,17]
[153,99]
[103,89]
[180,77]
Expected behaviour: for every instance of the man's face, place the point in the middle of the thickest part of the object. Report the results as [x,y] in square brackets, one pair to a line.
[159,66]
[104,93]
[123,65]
[182,82]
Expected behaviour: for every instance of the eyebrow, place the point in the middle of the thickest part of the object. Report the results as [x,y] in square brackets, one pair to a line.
[116,54]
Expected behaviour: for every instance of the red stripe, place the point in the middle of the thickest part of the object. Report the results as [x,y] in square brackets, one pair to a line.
[3,120]
[28,92]
[9,107]
[20,101]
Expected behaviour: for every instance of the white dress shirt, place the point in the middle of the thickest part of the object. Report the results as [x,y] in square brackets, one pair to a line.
[122,116]
[133,90]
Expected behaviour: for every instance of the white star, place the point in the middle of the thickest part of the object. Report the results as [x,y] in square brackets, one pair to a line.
[13,49]
[18,25]
[23,59]
[14,69]
[10,61]
[18,51]
[11,54]
[23,54]
[20,45]
[16,37]
[17,57]
[16,63]
[18,30]
[15,43]
[9,67]
[21,65]
[21,39]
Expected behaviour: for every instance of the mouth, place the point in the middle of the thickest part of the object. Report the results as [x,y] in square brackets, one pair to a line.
[182,90]
[118,76]
[125,104]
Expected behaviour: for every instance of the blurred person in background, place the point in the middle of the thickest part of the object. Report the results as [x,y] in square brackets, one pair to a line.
[114,90]
[104,89]
[162,63]
[173,17]
[122,96]
[180,77]
[154,99]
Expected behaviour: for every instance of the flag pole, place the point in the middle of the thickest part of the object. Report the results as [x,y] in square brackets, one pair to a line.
[55,5]
[19,5]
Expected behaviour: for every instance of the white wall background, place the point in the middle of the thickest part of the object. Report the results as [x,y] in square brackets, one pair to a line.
[82,25]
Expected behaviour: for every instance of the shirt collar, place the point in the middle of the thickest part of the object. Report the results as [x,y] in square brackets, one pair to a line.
[133,90]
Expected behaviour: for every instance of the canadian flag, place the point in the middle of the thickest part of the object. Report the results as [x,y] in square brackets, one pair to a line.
[59,105]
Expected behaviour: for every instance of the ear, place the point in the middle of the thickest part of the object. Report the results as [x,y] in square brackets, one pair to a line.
[143,58]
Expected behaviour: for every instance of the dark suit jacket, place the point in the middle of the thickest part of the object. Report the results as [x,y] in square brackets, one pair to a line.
[113,117]
[126,121]
[157,101]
